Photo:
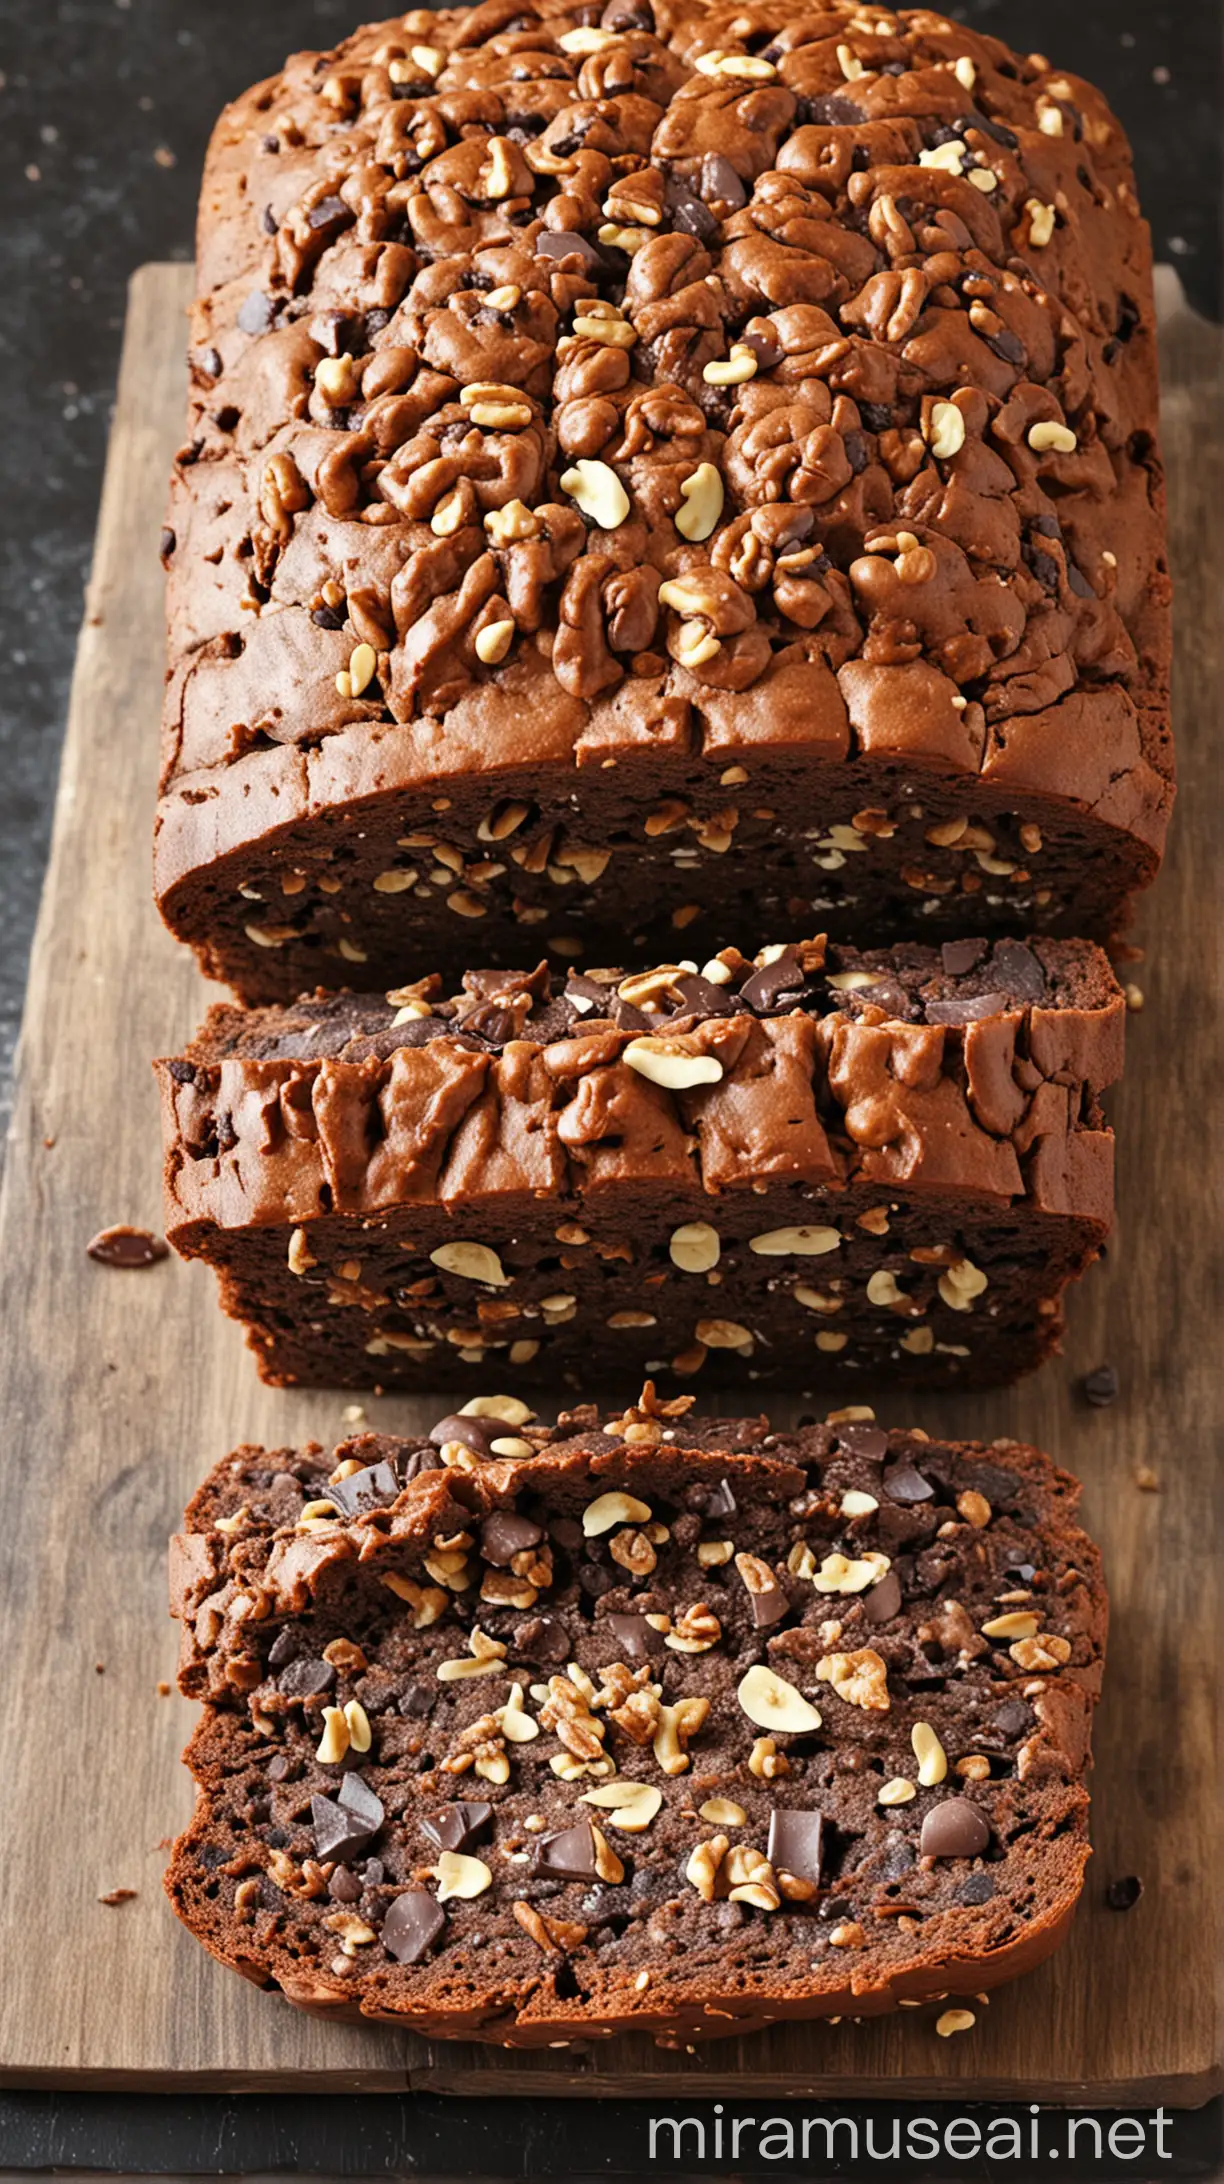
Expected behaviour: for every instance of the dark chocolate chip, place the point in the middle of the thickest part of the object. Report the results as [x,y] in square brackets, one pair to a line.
[881,1602]
[329,212]
[458,1826]
[504,1535]
[123,1246]
[637,1638]
[412,1925]
[544,1639]
[781,980]
[906,1485]
[688,213]
[168,543]
[340,1833]
[959,956]
[1124,1894]
[566,243]
[358,1798]
[720,1501]
[768,1607]
[719,181]
[1018,970]
[566,1856]
[306,1679]
[417,1699]
[1101,1387]
[796,1843]
[978,1888]
[343,1887]
[372,1488]
[701,997]
[284,1647]
[869,1442]
[257,313]
[953,1829]
[469,1432]
[833,112]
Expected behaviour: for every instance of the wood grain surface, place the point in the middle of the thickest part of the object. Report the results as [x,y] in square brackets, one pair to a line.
[118,1389]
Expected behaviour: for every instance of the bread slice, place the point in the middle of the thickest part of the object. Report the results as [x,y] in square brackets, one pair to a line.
[648,1724]
[821,1161]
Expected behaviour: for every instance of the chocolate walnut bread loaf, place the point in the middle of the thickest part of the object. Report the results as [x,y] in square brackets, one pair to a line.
[817,1161]
[625,1731]
[642,466]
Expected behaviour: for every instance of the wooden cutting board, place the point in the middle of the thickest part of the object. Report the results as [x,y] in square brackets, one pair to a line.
[117,1390]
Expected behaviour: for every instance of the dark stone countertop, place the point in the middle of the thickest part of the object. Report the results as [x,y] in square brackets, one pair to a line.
[105,108]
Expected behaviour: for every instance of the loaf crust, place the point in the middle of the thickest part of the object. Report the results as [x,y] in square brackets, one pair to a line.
[415,683]
[830,1162]
[655,1940]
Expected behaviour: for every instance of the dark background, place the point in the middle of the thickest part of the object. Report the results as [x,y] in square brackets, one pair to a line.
[105,108]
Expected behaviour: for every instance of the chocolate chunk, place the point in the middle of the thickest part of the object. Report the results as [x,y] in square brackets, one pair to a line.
[544,1639]
[906,1485]
[768,1607]
[344,1886]
[777,985]
[978,1888]
[421,1459]
[701,997]
[567,243]
[124,1246]
[504,1535]
[881,1602]
[898,1859]
[860,1439]
[417,1699]
[970,1010]
[1124,1894]
[720,1501]
[341,1832]
[372,1488]
[257,313]
[458,1826]
[796,1843]
[688,214]
[720,182]
[831,111]
[412,1925]
[330,212]
[469,1432]
[637,1638]
[1101,1387]
[953,1829]
[1017,968]
[284,1647]
[306,1679]
[959,956]
[358,1798]
[566,1856]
